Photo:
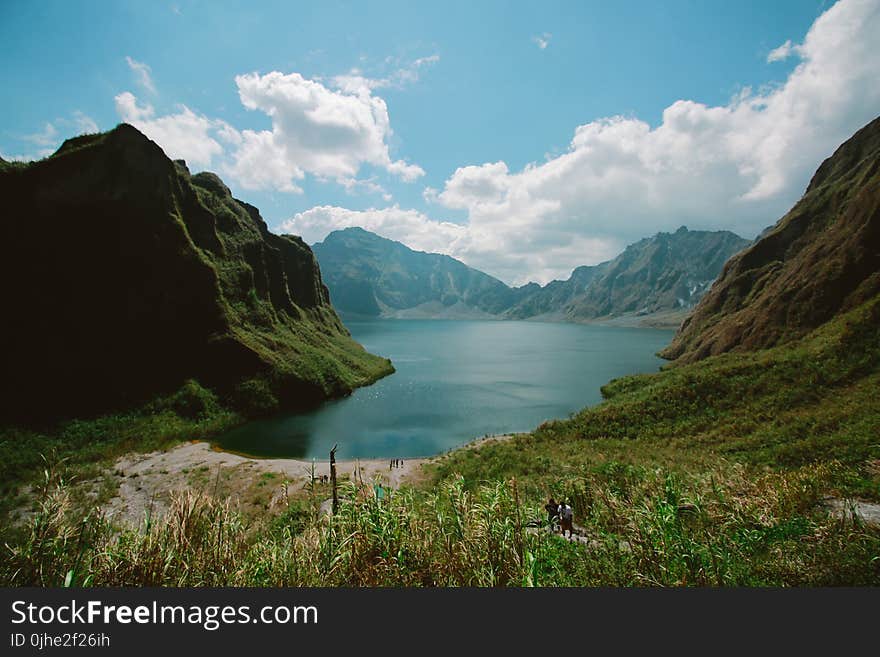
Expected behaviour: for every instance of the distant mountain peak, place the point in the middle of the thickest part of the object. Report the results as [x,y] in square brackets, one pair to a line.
[374,276]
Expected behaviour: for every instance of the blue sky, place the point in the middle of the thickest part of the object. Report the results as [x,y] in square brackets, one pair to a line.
[524,138]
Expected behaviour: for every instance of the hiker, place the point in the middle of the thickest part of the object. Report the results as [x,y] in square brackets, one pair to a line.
[566,515]
[552,513]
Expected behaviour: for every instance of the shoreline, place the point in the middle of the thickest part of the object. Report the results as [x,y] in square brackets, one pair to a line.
[256,457]
[146,481]
[661,320]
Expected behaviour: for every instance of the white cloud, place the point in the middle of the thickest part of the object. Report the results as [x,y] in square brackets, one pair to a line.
[184,135]
[353,186]
[143,74]
[737,166]
[326,132]
[48,136]
[315,130]
[781,53]
[354,82]
[542,40]
[84,124]
[413,228]
[28,157]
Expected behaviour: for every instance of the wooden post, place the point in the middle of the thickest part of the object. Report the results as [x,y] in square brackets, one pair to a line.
[333,478]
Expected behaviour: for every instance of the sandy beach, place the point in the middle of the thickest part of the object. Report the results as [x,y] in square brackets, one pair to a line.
[146,481]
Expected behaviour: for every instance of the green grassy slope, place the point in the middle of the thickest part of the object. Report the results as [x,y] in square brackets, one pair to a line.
[712,473]
[127,276]
[721,471]
[820,259]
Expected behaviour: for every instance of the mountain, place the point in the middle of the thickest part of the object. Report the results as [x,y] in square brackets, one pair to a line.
[819,260]
[371,276]
[123,276]
[664,273]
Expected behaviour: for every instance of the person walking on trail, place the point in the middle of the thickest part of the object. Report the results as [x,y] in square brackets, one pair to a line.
[566,517]
[552,513]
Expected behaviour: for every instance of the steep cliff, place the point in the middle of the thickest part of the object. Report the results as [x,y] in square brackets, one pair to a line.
[124,275]
[666,272]
[822,258]
[377,277]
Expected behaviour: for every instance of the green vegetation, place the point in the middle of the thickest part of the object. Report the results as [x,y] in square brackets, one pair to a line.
[78,449]
[712,473]
[128,276]
[740,469]
[819,260]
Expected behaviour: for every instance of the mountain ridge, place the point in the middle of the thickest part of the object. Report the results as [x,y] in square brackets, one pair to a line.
[129,275]
[664,275]
[820,259]
[373,276]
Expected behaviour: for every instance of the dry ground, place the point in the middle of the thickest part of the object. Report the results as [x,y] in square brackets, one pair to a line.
[146,481]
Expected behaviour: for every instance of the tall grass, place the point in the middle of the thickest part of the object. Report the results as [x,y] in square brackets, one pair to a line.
[710,474]
[658,530]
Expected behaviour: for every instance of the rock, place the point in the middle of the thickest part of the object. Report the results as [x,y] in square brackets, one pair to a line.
[866,512]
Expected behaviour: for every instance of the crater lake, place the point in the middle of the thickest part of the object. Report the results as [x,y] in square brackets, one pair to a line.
[457,381]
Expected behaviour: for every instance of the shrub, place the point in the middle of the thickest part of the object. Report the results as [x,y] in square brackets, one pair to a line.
[255,397]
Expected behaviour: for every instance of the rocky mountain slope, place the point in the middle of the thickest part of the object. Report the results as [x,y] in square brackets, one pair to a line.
[123,275]
[666,272]
[372,276]
[822,258]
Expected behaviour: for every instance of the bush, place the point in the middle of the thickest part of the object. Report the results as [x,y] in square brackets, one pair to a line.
[193,401]
[254,398]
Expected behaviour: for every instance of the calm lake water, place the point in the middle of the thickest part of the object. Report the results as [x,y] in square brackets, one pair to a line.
[456,381]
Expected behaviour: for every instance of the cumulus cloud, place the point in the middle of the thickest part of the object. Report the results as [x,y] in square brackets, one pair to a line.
[182,135]
[413,228]
[143,74]
[329,132]
[737,166]
[316,130]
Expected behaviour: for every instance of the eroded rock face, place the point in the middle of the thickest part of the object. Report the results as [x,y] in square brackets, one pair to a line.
[124,275]
[821,258]
[373,276]
[669,271]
